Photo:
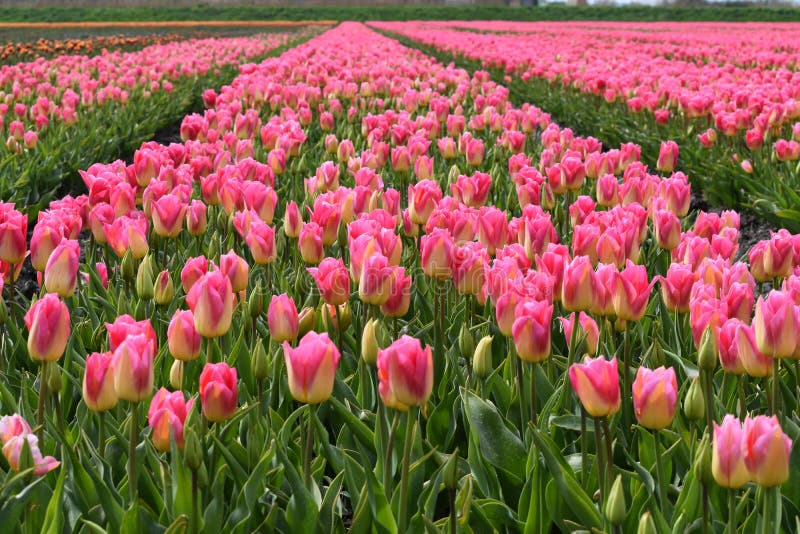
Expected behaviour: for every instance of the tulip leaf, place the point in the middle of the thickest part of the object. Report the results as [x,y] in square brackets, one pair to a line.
[382,516]
[570,489]
[54,516]
[498,445]
[327,509]
[301,512]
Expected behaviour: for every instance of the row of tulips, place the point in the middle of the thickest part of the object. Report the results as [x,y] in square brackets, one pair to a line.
[374,354]
[52,111]
[728,94]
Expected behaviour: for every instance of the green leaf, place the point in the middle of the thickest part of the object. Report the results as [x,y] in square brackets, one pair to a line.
[498,445]
[301,512]
[569,488]
[54,516]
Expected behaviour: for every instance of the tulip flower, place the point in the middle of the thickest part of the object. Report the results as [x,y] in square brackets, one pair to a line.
[169,212]
[333,280]
[48,328]
[196,218]
[766,450]
[292,222]
[423,197]
[125,326]
[667,156]
[531,330]
[655,395]
[61,271]
[310,243]
[211,301]
[99,392]
[219,393]
[676,287]
[776,323]
[311,367]
[236,269]
[631,292]
[133,368]
[405,372]
[166,416]
[399,295]
[192,271]
[596,382]
[46,237]
[282,318]
[13,236]
[182,337]
[12,426]
[260,239]
[436,254]
[727,464]
[589,330]
[578,285]
[12,450]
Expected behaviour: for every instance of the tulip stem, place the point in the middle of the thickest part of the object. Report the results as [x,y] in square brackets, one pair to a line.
[387,463]
[776,386]
[601,482]
[101,435]
[708,390]
[662,482]
[731,511]
[43,371]
[768,519]
[609,450]
[339,329]
[706,510]
[534,417]
[742,396]
[194,520]
[573,342]
[584,451]
[411,421]
[311,415]
[134,435]
[521,396]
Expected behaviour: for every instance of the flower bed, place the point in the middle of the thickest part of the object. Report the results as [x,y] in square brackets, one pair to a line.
[373,294]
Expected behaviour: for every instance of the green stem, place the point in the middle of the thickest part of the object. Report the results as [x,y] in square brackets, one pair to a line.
[708,392]
[43,370]
[776,385]
[609,450]
[387,462]
[411,421]
[626,377]
[573,341]
[731,511]
[742,396]
[521,396]
[194,520]
[132,442]
[453,514]
[339,330]
[601,482]
[662,482]
[310,416]
[534,417]
[101,435]
[584,451]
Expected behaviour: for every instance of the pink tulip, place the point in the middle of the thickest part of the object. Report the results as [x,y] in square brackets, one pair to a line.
[531,330]
[61,271]
[311,368]
[211,301]
[48,328]
[596,382]
[766,450]
[589,330]
[282,318]
[219,392]
[655,394]
[332,280]
[132,365]
[776,324]
[405,373]
[99,392]
[166,416]
[727,460]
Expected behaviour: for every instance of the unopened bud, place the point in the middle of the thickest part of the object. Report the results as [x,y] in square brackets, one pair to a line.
[646,524]
[260,361]
[164,289]
[707,353]
[127,269]
[176,375]
[694,405]
[144,279]
[255,301]
[307,320]
[615,507]
[702,461]
[482,359]
[191,451]
[450,471]
[369,343]
[466,343]
[452,176]
[54,378]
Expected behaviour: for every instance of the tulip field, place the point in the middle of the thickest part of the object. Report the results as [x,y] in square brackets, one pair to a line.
[374,291]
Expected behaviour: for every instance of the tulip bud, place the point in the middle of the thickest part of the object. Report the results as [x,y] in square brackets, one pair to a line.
[482,359]
[54,378]
[450,471]
[255,302]
[144,279]
[176,375]
[702,461]
[192,452]
[127,267]
[615,507]
[307,320]
[369,342]
[164,290]
[646,524]
[453,175]
[123,305]
[707,353]
[260,361]
[466,343]
[694,405]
